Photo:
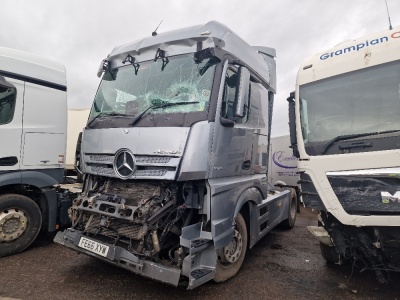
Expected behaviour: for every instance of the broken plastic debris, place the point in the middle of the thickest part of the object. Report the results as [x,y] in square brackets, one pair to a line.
[342,286]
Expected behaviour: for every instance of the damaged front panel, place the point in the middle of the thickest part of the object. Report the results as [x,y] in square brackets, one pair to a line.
[142,223]
[372,195]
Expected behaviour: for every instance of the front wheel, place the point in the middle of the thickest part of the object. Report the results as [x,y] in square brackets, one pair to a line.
[230,257]
[329,254]
[292,214]
[20,222]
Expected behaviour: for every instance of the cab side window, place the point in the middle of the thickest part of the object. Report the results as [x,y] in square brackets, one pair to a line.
[7,104]
[230,97]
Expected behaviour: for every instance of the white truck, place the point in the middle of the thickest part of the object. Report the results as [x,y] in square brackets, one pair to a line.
[175,187]
[282,163]
[33,122]
[345,130]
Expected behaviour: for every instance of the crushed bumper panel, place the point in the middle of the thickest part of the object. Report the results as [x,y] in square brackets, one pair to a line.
[121,258]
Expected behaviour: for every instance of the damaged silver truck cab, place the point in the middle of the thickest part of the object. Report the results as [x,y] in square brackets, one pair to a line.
[175,157]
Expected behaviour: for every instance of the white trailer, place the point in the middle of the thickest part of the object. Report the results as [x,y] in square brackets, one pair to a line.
[282,163]
[33,123]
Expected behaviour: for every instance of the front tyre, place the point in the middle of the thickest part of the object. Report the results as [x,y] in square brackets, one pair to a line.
[291,220]
[230,257]
[329,254]
[20,222]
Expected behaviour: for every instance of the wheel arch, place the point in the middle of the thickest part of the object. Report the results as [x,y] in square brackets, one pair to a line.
[247,207]
[36,186]
[33,178]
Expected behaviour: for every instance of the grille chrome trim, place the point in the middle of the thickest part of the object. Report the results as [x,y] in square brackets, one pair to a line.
[99,158]
[148,166]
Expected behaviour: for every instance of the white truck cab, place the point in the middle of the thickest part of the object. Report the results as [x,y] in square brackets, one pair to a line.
[345,130]
[33,121]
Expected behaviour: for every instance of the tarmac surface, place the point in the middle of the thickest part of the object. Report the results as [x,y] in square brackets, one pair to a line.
[283,265]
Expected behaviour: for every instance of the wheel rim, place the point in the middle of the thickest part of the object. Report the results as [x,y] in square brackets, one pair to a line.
[231,253]
[12,224]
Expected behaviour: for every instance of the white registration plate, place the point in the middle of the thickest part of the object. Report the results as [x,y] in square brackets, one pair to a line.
[93,246]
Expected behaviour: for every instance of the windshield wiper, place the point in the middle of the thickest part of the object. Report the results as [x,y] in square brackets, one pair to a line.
[139,116]
[105,114]
[353,136]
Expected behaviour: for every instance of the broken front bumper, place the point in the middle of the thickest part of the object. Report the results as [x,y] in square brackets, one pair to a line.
[121,258]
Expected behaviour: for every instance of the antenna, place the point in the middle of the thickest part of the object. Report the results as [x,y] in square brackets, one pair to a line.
[390,23]
[154,33]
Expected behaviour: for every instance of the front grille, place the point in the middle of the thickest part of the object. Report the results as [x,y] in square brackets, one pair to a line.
[147,166]
[100,158]
[152,159]
[102,170]
[361,195]
[150,173]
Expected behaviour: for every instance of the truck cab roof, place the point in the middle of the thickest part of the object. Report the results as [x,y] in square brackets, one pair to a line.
[369,50]
[211,35]
[32,68]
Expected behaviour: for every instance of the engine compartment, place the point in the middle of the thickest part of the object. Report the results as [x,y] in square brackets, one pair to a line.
[143,217]
[375,248]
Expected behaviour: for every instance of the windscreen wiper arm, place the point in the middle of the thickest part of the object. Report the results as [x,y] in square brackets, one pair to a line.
[104,114]
[353,136]
[139,116]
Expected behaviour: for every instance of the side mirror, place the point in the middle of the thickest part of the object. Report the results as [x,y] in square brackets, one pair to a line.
[243,92]
[292,124]
[103,67]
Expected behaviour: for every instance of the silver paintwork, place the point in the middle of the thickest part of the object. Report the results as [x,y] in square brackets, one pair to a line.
[185,41]
[195,162]
[140,140]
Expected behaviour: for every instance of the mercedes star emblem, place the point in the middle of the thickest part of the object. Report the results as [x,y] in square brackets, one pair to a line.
[124,163]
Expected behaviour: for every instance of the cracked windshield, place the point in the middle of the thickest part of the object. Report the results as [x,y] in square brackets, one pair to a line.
[163,82]
[360,102]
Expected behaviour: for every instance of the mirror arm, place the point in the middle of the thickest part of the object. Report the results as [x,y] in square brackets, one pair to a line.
[227,122]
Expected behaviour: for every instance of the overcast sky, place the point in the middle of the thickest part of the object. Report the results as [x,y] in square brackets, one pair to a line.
[80,33]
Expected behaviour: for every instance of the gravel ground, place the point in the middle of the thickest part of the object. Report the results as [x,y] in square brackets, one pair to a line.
[283,265]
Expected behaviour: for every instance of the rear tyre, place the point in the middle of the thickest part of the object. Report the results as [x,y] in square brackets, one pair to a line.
[230,258]
[329,254]
[291,220]
[20,222]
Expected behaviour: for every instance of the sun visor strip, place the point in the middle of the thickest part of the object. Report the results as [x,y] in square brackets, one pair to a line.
[34,80]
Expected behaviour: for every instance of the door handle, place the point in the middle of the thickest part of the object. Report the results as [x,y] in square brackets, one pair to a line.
[8,161]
